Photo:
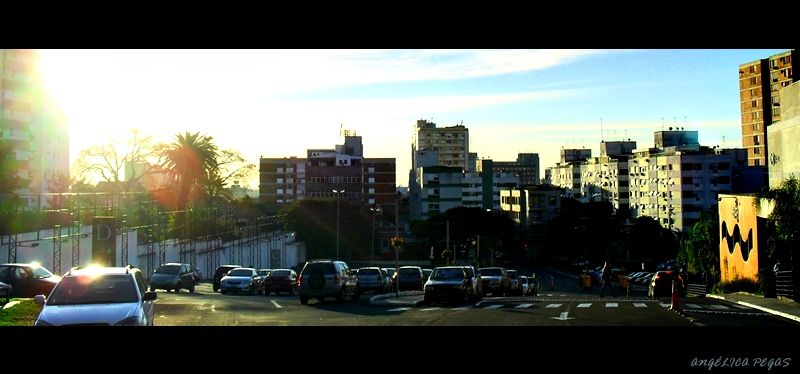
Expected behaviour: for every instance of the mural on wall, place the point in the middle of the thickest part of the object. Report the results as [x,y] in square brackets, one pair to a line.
[738,248]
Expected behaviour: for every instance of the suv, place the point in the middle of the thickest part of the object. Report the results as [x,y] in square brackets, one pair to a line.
[219,273]
[173,276]
[98,296]
[321,278]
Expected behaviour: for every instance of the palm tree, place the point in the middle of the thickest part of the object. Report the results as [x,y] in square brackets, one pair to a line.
[783,224]
[192,161]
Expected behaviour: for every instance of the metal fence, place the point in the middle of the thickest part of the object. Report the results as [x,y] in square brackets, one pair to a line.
[784,284]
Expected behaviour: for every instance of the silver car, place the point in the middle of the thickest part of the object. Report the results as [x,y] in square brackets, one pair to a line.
[101,296]
[241,279]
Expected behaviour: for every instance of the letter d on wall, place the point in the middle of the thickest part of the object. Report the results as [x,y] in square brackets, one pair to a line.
[104,241]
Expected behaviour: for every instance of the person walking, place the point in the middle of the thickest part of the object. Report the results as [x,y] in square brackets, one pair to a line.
[607,276]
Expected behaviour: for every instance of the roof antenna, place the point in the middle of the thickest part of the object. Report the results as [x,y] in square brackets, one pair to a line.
[601,130]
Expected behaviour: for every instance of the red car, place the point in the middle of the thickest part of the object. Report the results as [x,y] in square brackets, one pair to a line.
[28,280]
[280,280]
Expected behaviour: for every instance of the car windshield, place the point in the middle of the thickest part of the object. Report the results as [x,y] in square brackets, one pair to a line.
[321,267]
[87,289]
[444,274]
[409,271]
[39,272]
[263,272]
[168,269]
[490,272]
[368,272]
[280,273]
[240,273]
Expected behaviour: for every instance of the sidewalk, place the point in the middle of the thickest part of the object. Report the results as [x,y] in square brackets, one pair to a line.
[406,298]
[785,309]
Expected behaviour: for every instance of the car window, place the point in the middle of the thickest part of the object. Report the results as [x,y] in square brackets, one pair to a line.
[280,273]
[19,273]
[140,282]
[168,269]
[5,272]
[40,272]
[240,273]
[94,290]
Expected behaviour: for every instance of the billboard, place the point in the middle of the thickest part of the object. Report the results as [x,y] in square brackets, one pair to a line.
[104,241]
[738,228]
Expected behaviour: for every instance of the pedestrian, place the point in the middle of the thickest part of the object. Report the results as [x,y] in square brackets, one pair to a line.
[607,276]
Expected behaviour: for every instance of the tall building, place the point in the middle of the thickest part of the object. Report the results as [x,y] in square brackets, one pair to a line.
[567,173]
[526,167]
[33,124]
[760,82]
[452,143]
[784,154]
[493,180]
[365,181]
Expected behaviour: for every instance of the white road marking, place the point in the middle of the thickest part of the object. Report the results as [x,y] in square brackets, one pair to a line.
[719,307]
[523,306]
[276,304]
[553,305]
[212,308]
[740,306]
[463,307]
[694,306]
[665,305]
[398,309]
[563,316]
[640,305]
[549,295]
[429,309]
[562,295]
[495,306]
[612,305]
[584,305]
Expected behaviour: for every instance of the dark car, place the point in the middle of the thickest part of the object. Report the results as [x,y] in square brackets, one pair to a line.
[326,278]
[495,280]
[449,283]
[661,284]
[280,280]
[219,273]
[409,278]
[28,280]
[173,276]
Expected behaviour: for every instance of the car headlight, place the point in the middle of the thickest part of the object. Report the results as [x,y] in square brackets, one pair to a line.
[41,322]
[130,321]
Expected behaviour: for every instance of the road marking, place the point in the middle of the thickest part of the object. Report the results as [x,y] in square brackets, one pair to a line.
[694,306]
[719,307]
[429,309]
[523,306]
[563,316]
[495,306]
[584,305]
[276,304]
[212,308]
[463,307]
[480,302]
[553,305]
[398,309]
[740,306]
[612,305]
[640,305]
[562,295]
[549,295]
[665,305]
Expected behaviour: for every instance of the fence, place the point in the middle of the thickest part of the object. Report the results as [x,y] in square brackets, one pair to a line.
[784,284]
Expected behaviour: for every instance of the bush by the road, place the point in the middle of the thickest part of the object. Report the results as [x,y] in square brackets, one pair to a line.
[22,314]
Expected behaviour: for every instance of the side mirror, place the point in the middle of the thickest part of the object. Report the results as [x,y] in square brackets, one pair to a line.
[149,295]
[39,299]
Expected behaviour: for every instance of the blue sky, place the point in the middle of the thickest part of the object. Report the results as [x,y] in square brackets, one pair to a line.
[275,103]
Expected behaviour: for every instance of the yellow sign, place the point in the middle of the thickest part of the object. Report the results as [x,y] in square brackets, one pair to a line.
[738,228]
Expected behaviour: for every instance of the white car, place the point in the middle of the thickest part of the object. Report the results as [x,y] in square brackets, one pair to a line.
[101,296]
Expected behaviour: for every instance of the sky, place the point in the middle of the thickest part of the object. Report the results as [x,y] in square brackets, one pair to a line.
[278,103]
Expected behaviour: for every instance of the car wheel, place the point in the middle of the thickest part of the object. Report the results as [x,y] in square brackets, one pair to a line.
[303,299]
[168,289]
[215,287]
[340,295]
[177,288]
[191,289]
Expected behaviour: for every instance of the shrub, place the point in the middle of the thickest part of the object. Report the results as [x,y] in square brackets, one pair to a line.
[738,285]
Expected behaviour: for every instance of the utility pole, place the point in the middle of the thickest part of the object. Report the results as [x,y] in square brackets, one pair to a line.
[396,248]
[478,251]
[447,241]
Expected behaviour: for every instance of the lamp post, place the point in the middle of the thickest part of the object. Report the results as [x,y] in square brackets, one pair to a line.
[338,193]
[375,210]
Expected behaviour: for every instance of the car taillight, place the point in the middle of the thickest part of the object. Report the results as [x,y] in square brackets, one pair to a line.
[336,279]
[300,280]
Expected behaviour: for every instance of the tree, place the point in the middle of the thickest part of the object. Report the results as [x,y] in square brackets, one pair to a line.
[191,161]
[109,162]
[9,182]
[231,167]
[700,246]
[783,223]
[314,222]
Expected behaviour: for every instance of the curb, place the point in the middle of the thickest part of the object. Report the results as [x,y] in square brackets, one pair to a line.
[375,299]
[759,307]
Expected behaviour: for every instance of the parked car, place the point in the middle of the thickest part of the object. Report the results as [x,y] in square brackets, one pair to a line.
[198,275]
[475,281]
[409,278]
[219,273]
[326,278]
[5,291]
[371,279]
[173,276]
[390,272]
[524,281]
[426,274]
[515,286]
[28,280]
[495,281]
[448,283]
[240,279]
[280,280]
[98,296]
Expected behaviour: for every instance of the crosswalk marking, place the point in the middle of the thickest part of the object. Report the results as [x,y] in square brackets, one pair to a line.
[584,305]
[398,309]
[612,305]
[553,305]
[495,306]
[549,295]
[463,307]
[276,304]
[740,306]
[429,309]
[694,306]
[665,305]
[640,305]
[523,306]
[719,307]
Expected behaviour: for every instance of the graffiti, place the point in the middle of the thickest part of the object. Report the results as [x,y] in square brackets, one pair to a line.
[745,243]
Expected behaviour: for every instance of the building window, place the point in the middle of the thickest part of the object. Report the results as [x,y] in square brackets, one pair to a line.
[371,190]
[757,139]
[757,150]
[371,201]
[371,180]
[754,104]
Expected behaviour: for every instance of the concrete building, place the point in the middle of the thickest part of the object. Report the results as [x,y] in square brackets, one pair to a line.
[34,126]
[365,181]
[440,188]
[531,205]
[493,181]
[782,136]
[760,82]
[606,177]
[526,167]
[452,143]
[567,173]
[675,183]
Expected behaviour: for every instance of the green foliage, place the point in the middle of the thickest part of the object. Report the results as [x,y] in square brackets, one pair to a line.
[700,246]
[589,230]
[22,314]
[314,222]
[651,242]
[738,285]
[783,224]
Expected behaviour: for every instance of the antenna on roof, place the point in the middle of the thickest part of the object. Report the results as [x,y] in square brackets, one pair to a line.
[601,129]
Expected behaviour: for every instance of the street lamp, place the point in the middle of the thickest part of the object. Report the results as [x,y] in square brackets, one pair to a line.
[338,193]
[375,210]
